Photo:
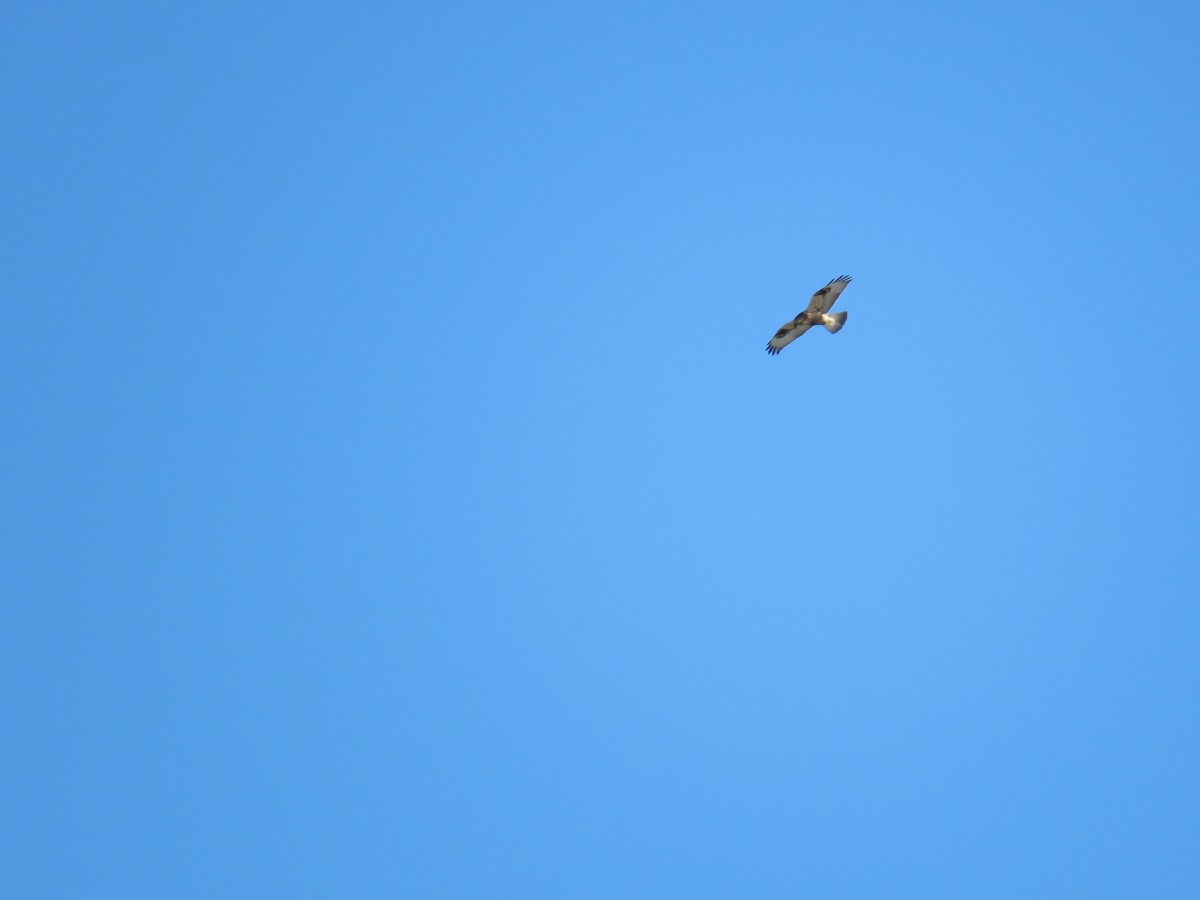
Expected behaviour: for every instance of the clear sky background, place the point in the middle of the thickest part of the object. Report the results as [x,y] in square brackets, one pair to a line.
[398,501]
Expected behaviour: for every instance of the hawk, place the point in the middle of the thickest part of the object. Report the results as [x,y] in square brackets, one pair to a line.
[816,314]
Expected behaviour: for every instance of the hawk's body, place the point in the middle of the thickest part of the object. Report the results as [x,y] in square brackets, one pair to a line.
[816,314]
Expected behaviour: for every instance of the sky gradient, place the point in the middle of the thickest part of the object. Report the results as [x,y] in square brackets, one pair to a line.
[399,501]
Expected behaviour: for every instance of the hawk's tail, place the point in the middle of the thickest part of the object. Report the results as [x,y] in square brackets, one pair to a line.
[833,323]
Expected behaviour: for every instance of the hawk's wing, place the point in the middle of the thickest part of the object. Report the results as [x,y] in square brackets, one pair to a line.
[823,299]
[787,334]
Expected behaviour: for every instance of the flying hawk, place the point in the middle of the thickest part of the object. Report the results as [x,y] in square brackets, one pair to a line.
[816,314]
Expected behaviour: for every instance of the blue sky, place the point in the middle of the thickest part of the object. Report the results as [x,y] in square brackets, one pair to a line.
[399,501]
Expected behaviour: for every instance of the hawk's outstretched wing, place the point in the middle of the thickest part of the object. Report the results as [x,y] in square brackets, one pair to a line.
[823,299]
[788,333]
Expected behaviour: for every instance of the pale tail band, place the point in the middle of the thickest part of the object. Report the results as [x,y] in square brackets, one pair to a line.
[833,323]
